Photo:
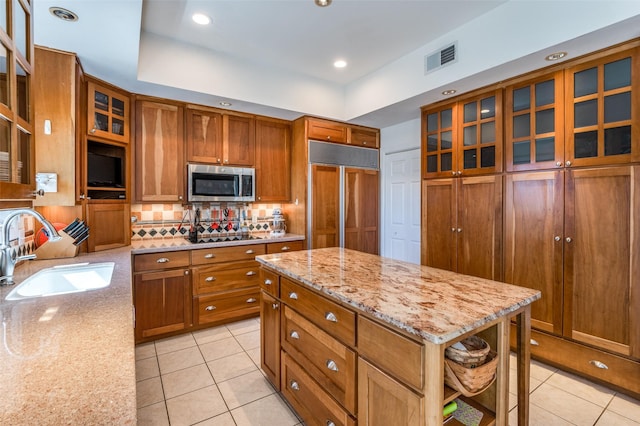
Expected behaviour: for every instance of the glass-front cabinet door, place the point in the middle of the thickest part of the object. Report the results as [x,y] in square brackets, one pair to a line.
[438,135]
[480,134]
[602,111]
[107,113]
[534,113]
[16,111]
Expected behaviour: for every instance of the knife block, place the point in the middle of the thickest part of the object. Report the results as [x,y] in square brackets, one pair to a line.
[64,247]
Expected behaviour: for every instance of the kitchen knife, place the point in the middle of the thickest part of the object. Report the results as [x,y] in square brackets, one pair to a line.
[73,228]
[79,229]
[82,238]
[70,226]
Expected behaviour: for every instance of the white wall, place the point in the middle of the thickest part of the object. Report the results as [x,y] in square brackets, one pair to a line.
[399,137]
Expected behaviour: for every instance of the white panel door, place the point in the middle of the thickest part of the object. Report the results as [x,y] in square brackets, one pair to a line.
[402,205]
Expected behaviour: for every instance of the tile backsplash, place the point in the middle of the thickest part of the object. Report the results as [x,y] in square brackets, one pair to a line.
[21,234]
[216,220]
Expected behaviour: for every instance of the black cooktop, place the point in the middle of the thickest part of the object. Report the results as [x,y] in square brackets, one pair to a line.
[227,238]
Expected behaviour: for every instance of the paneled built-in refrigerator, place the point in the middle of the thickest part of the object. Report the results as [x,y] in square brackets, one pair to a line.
[343,197]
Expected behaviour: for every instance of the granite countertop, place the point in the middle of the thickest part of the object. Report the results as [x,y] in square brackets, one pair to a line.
[433,304]
[158,245]
[69,359]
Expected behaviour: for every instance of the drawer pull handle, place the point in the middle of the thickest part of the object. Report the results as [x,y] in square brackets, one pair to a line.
[330,423]
[275,305]
[250,251]
[534,342]
[210,308]
[293,295]
[209,256]
[268,282]
[599,364]
[330,316]
[251,300]
[331,365]
[251,273]
[294,385]
[162,260]
[294,335]
[285,248]
[209,279]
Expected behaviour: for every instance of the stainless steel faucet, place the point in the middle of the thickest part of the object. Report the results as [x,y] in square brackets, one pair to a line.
[7,260]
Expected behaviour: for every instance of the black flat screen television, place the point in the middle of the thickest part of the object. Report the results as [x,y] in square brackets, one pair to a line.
[104,171]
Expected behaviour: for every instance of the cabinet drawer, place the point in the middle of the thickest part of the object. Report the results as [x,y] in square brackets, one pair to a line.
[399,356]
[621,372]
[326,131]
[226,254]
[284,247]
[208,279]
[329,316]
[223,306]
[333,365]
[361,137]
[270,282]
[315,406]
[157,261]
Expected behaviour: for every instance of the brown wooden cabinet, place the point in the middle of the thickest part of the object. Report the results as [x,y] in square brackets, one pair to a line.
[270,337]
[462,225]
[325,205]
[361,193]
[220,137]
[108,112]
[58,81]
[109,225]
[364,137]
[159,172]
[162,301]
[325,130]
[273,160]
[463,138]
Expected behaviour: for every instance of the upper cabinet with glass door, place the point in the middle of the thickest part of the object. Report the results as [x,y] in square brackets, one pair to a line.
[438,133]
[16,113]
[107,113]
[602,110]
[534,115]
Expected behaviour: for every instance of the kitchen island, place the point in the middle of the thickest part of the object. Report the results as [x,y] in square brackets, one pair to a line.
[352,337]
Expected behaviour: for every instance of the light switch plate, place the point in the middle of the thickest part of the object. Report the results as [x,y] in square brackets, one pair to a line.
[48,182]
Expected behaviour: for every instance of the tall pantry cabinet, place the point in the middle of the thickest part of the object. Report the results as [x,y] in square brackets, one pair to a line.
[571,200]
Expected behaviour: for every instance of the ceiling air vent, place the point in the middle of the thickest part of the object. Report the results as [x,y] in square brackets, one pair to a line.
[440,58]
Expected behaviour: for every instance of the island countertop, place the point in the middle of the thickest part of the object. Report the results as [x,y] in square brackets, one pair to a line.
[69,359]
[433,304]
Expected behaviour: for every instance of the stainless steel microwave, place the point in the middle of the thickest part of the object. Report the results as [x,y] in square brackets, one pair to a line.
[220,183]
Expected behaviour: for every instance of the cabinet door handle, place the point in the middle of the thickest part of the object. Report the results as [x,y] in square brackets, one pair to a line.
[534,342]
[453,172]
[162,260]
[210,279]
[568,239]
[275,305]
[209,256]
[567,163]
[251,273]
[459,230]
[250,251]
[293,295]
[294,385]
[557,238]
[285,248]
[210,308]
[294,335]
[453,229]
[268,282]
[251,300]
[559,163]
[331,365]
[330,316]
[599,364]
[330,423]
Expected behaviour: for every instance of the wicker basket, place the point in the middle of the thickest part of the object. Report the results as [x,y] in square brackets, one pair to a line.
[477,351]
[471,381]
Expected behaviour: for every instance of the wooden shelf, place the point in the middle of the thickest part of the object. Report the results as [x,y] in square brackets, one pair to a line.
[488,416]
[106,188]
[450,395]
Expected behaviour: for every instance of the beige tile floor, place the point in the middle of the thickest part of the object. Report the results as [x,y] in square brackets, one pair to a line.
[212,377]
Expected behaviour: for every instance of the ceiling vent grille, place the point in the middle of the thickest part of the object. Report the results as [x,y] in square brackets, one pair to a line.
[438,59]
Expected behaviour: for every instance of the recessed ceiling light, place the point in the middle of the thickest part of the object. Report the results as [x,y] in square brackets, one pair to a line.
[201,18]
[556,56]
[64,14]
[340,63]
[323,3]
[449,92]
[225,104]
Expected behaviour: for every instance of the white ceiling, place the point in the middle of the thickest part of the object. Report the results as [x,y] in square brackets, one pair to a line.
[274,57]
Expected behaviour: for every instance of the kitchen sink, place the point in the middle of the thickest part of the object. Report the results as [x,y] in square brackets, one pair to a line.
[64,279]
